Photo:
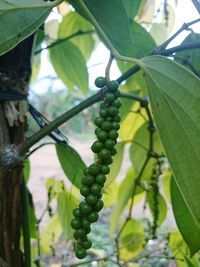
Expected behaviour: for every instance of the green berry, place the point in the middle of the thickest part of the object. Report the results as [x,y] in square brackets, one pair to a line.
[85,222]
[97,131]
[113,86]
[85,172]
[87,244]
[116,126]
[102,135]
[79,233]
[106,126]
[107,161]
[113,152]
[103,113]
[104,153]
[85,190]
[117,118]
[85,208]
[98,121]
[113,134]
[89,179]
[113,111]
[117,94]
[109,143]
[117,103]
[88,229]
[96,189]
[97,146]
[77,213]
[109,98]
[105,169]
[100,179]
[100,82]
[99,205]
[94,169]
[91,199]
[76,223]
[93,217]
[80,253]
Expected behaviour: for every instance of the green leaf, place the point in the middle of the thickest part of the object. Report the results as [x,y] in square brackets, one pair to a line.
[73,23]
[50,234]
[132,238]
[19,19]
[131,7]
[139,147]
[131,123]
[117,162]
[106,15]
[143,43]
[188,227]
[110,194]
[174,95]
[26,170]
[192,55]
[66,203]
[72,164]
[70,66]
[162,206]
[124,194]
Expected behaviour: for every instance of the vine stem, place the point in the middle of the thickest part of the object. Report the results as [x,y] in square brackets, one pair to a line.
[196,3]
[59,41]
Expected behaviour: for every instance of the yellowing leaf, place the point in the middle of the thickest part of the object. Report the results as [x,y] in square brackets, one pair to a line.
[132,238]
[110,194]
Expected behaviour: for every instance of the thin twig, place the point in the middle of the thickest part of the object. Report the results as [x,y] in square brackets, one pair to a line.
[196,3]
[107,71]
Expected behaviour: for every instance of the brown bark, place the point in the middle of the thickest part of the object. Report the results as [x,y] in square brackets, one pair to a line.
[15,70]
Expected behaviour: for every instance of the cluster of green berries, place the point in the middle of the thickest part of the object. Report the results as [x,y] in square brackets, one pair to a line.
[95,175]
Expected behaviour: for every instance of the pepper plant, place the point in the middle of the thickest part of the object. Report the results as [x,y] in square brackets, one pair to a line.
[152,109]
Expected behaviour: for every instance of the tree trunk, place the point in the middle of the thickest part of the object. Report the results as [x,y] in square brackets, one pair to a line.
[15,70]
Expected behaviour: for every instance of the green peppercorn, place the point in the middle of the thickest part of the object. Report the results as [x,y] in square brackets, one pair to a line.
[85,190]
[117,103]
[76,223]
[104,153]
[79,233]
[113,86]
[105,169]
[93,217]
[99,205]
[103,113]
[113,152]
[91,199]
[100,82]
[106,126]
[98,121]
[100,179]
[77,213]
[87,244]
[89,179]
[116,126]
[113,134]
[96,188]
[117,118]
[113,111]
[80,253]
[109,98]
[109,143]
[85,208]
[102,135]
[97,146]
[107,161]
[88,229]
[94,169]
[86,222]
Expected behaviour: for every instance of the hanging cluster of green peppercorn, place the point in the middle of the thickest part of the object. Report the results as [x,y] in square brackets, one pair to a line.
[95,175]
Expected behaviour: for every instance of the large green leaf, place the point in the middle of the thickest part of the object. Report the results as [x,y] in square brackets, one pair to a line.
[107,16]
[188,227]
[131,7]
[66,203]
[70,66]
[175,98]
[73,23]
[19,19]
[193,55]
[72,164]
[140,145]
